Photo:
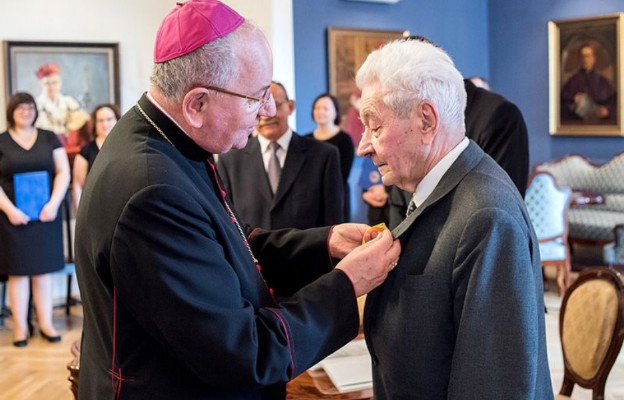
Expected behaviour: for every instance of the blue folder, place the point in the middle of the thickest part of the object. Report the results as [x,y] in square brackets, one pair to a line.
[32,192]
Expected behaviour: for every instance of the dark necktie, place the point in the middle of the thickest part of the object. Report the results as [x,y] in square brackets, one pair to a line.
[411,207]
[274,170]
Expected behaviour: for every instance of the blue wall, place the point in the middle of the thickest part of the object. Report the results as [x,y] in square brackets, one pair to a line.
[460,27]
[505,41]
[518,45]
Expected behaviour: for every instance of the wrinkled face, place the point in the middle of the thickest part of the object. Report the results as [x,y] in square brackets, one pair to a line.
[274,127]
[588,60]
[24,115]
[324,111]
[394,144]
[51,85]
[231,119]
[105,119]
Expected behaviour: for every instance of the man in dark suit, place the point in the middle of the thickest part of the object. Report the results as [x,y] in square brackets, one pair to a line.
[309,191]
[497,126]
[176,304]
[461,316]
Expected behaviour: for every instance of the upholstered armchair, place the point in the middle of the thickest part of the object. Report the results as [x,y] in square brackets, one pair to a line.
[613,253]
[601,189]
[548,205]
[591,328]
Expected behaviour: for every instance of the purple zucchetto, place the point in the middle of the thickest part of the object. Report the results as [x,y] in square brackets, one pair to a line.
[191,25]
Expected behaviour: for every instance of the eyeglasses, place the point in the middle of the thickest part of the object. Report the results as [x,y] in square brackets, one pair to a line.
[253,104]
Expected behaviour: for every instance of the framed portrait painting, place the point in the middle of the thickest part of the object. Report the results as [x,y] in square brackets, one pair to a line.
[585,71]
[89,72]
[347,49]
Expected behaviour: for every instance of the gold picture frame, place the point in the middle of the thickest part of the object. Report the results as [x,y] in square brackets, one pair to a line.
[347,49]
[585,76]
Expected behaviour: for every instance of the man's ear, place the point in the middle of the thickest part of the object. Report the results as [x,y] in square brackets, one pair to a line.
[194,103]
[291,106]
[428,121]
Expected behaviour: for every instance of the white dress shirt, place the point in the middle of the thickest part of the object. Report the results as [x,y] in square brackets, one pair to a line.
[431,180]
[284,141]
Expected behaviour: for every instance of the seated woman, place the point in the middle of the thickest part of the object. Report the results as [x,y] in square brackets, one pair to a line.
[105,116]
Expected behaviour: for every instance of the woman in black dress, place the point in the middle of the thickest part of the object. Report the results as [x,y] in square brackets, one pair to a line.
[326,114]
[104,117]
[31,247]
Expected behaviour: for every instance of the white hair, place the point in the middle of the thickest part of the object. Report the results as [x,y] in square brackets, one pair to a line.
[412,71]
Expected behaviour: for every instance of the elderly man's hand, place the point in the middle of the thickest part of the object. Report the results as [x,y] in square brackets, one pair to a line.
[368,265]
[344,238]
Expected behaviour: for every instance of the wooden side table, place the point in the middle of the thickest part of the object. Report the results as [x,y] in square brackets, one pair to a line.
[317,385]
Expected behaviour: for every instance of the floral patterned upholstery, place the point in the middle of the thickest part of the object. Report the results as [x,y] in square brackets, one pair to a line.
[592,222]
[548,205]
[580,173]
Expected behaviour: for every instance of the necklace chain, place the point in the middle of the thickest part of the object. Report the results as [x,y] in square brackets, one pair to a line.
[227,206]
[240,231]
[152,123]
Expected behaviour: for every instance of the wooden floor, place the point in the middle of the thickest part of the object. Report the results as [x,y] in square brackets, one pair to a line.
[38,371]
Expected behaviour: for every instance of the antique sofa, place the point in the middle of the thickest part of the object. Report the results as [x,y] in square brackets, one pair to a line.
[598,199]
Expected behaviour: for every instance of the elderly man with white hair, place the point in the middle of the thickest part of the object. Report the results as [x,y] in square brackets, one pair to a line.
[461,316]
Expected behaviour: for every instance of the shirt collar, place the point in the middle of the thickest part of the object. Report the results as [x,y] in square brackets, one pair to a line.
[283,141]
[433,177]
